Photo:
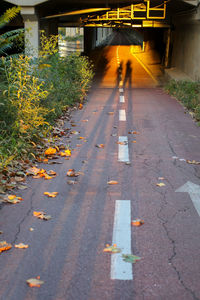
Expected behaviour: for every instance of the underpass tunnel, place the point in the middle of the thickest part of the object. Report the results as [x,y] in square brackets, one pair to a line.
[178,48]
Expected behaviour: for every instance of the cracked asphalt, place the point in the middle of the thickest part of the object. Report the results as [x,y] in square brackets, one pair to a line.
[67,251]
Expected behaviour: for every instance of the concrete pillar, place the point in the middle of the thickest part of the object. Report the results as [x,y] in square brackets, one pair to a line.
[89,39]
[31,24]
[168,39]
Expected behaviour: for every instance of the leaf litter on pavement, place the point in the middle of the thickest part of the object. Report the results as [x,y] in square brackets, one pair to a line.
[4,246]
[112,182]
[130,258]
[34,282]
[12,199]
[41,215]
[21,246]
[137,222]
[51,195]
[111,249]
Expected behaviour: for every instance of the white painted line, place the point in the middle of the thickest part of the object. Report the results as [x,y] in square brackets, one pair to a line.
[123,155]
[194,191]
[122,115]
[122,238]
[121,99]
[121,90]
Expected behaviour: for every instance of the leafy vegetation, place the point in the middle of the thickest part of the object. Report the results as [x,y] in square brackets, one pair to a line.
[188,93]
[33,94]
[11,38]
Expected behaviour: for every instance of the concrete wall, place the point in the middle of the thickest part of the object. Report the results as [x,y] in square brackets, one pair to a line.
[186,46]
[102,34]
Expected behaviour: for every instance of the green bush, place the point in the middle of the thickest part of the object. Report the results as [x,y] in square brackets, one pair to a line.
[68,80]
[187,92]
[34,94]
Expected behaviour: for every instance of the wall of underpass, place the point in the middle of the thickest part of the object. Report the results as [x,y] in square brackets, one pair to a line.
[186,45]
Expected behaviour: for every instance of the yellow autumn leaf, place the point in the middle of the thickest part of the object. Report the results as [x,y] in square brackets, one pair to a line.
[21,246]
[112,182]
[51,195]
[11,197]
[160,184]
[50,151]
[4,246]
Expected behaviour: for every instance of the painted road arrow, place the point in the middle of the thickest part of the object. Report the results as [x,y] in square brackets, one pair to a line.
[194,191]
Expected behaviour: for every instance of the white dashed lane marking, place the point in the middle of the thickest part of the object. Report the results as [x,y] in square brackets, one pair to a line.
[122,115]
[122,238]
[123,154]
[121,99]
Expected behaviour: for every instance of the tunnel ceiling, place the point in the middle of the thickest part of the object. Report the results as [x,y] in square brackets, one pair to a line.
[56,9]
[62,6]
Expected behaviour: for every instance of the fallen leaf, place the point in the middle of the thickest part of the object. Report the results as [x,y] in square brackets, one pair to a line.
[137,222]
[122,143]
[110,113]
[41,171]
[112,182]
[130,258]
[4,246]
[22,187]
[19,179]
[72,173]
[51,195]
[50,151]
[133,132]
[112,249]
[66,153]
[34,282]
[81,138]
[13,199]
[41,215]
[21,246]
[52,173]
[75,132]
[80,106]
[160,184]
[47,177]
[37,213]
[133,142]
[32,171]
[193,162]
[100,145]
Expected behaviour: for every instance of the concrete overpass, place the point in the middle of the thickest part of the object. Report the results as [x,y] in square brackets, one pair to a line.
[178,20]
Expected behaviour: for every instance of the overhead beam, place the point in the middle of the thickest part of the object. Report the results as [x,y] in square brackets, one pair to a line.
[26,2]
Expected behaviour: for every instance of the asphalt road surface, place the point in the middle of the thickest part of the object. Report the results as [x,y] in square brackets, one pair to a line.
[147,138]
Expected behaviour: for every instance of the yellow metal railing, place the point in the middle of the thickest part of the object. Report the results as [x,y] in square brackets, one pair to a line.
[143,11]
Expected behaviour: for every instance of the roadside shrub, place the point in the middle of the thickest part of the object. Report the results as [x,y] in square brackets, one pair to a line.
[34,93]
[67,78]
[187,92]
